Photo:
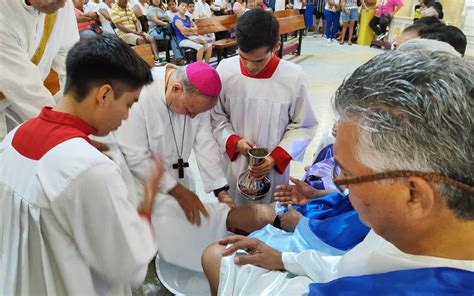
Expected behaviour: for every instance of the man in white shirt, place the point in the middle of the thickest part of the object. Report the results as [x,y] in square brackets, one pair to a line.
[202,9]
[67,227]
[394,149]
[33,40]
[103,11]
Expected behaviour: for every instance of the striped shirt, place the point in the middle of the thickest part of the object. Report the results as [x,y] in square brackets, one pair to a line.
[123,16]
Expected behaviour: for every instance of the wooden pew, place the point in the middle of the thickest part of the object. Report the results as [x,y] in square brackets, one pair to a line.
[287,25]
[218,24]
[145,52]
[285,13]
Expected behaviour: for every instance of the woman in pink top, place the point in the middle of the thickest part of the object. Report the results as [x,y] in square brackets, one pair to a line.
[383,14]
[84,20]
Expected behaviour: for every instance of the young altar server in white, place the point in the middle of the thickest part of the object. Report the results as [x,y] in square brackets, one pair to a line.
[66,226]
[406,158]
[264,102]
[170,121]
[35,37]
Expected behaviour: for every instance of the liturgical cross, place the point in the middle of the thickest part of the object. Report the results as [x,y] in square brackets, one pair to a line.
[180,165]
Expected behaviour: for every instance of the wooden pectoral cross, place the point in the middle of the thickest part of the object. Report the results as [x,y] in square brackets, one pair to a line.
[180,165]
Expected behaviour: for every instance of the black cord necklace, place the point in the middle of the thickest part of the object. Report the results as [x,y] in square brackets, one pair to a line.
[180,165]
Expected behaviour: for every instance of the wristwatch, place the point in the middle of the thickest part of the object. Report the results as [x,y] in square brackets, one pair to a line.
[219,190]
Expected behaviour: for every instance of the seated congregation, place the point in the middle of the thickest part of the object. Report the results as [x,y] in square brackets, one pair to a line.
[385,207]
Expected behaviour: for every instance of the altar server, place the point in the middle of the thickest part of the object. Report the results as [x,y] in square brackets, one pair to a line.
[406,159]
[264,103]
[66,225]
[35,37]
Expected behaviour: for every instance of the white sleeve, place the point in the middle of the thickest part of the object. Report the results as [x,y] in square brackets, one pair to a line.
[319,267]
[208,157]
[132,137]
[110,235]
[220,120]
[303,123]
[20,79]
[59,62]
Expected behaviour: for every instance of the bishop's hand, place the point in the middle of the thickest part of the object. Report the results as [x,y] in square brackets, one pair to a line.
[190,203]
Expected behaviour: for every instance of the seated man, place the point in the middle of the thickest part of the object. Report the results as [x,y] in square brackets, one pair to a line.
[392,146]
[66,225]
[126,23]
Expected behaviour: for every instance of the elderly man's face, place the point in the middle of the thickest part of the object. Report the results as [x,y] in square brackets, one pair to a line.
[380,204]
[47,6]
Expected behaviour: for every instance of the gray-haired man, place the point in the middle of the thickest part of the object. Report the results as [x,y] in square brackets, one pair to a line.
[405,148]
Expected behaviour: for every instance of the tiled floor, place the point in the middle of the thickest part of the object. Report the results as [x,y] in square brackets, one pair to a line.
[325,65]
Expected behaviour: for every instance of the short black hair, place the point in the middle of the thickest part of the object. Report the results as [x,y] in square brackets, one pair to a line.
[438,7]
[104,59]
[414,28]
[449,34]
[427,20]
[257,28]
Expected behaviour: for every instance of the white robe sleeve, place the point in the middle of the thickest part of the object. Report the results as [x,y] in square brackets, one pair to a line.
[221,126]
[208,157]
[303,123]
[319,267]
[110,235]
[133,141]
[20,80]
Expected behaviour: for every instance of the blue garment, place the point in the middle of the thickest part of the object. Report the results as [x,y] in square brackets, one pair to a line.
[160,35]
[308,15]
[332,23]
[419,282]
[186,22]
[319,176]
[329,225]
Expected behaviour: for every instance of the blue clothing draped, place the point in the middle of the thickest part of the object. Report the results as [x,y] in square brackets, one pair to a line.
[419,282]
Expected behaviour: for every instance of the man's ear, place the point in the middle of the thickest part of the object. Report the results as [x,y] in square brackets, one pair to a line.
[422,197]
[276,48]
[177,87]
[104,94]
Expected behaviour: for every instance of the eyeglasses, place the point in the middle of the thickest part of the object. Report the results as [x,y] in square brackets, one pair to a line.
[341,183]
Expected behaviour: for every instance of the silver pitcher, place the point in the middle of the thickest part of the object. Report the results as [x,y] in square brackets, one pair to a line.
[249,187]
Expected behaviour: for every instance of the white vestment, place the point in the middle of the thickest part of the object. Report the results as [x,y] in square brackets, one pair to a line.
[372,256]
[21,81]
[66,227]
[147,133]
[269,112]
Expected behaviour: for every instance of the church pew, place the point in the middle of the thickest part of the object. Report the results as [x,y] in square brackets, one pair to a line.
[145,52]
[218,24]
[287,25]
[285,13]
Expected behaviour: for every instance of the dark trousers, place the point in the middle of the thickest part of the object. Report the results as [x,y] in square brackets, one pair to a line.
[375,25]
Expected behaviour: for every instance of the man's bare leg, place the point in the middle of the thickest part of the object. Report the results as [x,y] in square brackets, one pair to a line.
[252,217]
[211,264]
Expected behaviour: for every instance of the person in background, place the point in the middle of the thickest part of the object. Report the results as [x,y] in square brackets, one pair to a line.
[84,20]
[127,27]
[159,28]
[331,15]
[239,7]
[186,35]
[384,12]
[349,16]
[103,11]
